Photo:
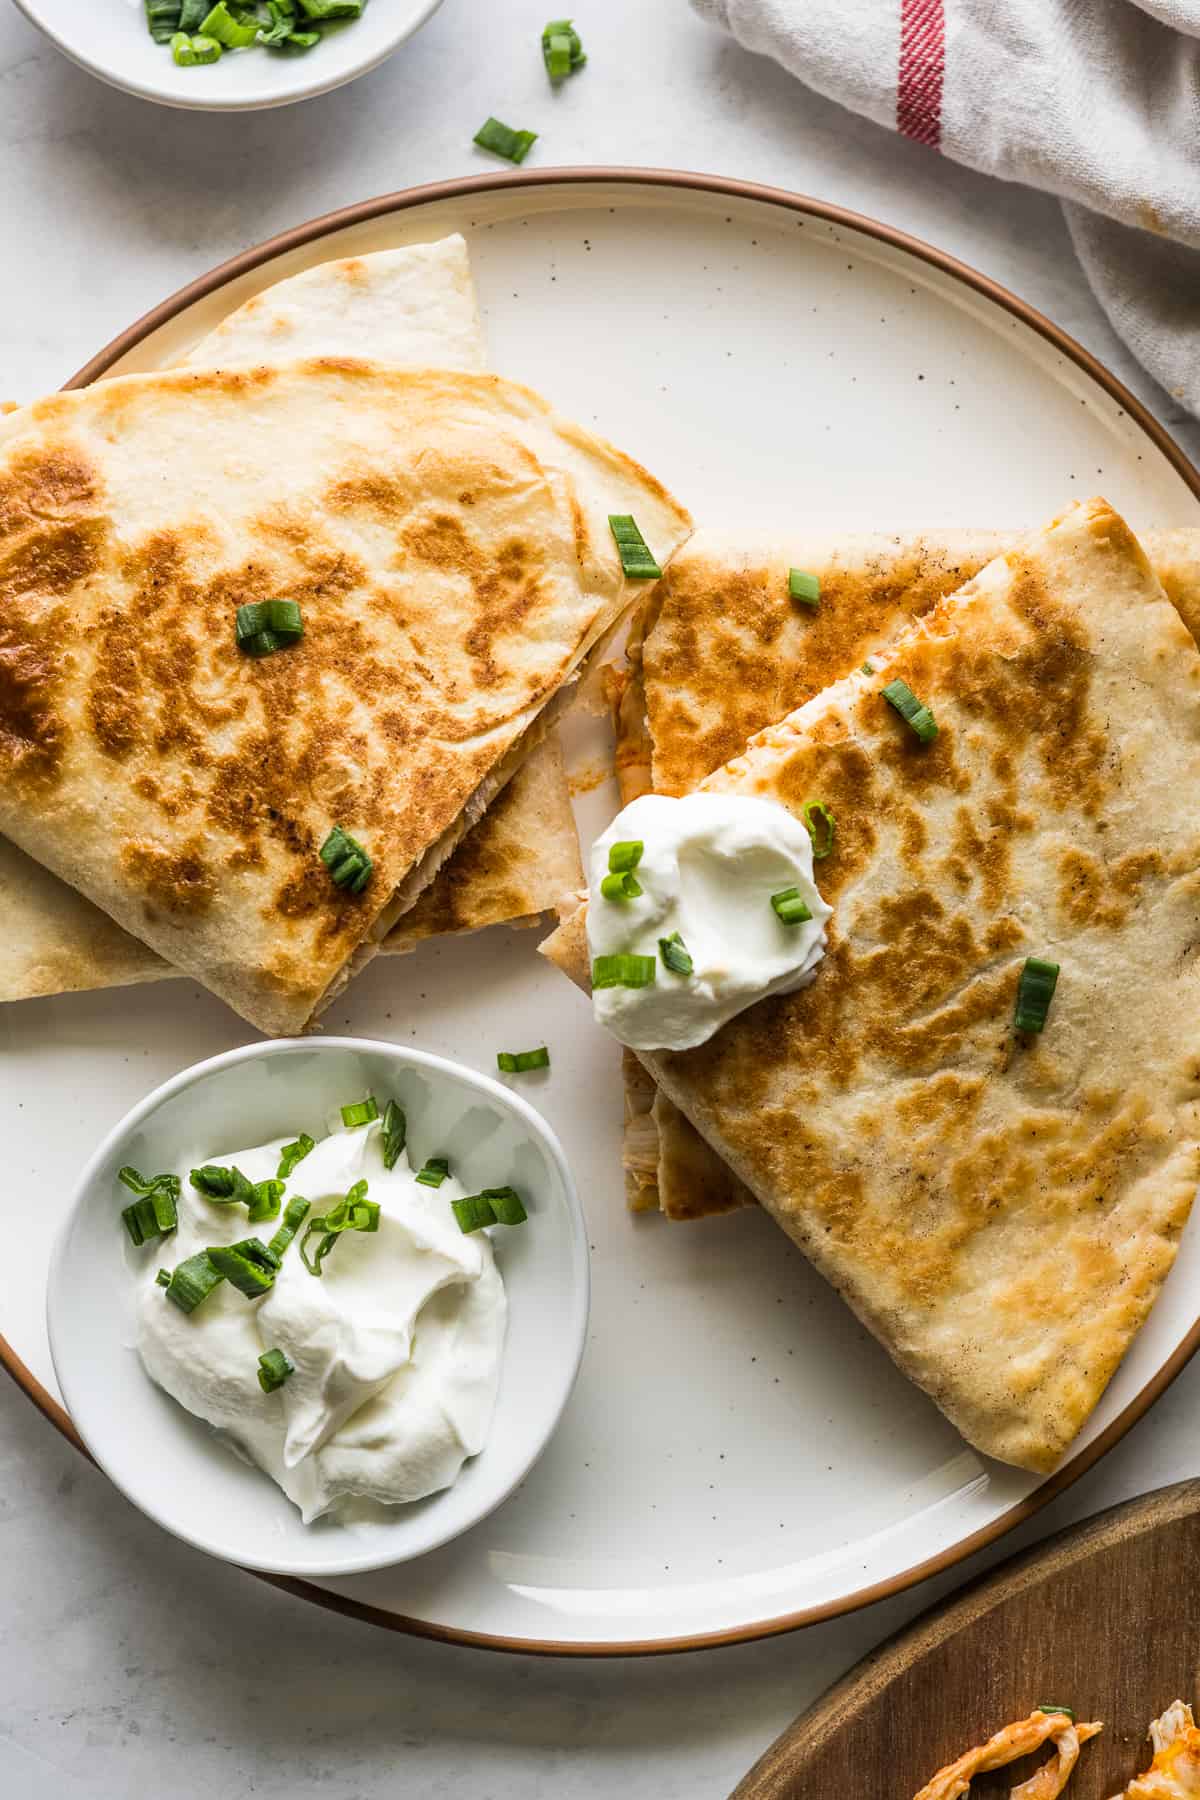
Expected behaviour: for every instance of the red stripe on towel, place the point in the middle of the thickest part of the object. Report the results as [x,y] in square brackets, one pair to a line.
[922,70]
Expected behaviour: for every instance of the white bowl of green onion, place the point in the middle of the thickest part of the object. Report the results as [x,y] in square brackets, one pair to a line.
[228,55]
[179,1470]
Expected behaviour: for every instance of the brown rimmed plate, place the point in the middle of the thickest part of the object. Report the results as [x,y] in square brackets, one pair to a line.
[739,1457]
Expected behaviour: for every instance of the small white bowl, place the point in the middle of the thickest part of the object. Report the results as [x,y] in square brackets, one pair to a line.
[116,46]
[171,1464]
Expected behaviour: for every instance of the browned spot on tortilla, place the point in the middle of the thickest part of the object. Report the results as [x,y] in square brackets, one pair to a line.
[1091,892]
[45,485]
[31,731]
[178,881]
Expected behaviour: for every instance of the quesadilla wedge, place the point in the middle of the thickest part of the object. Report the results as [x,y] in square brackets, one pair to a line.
[720,649]
[999,1208]
[413,306]
[446,538]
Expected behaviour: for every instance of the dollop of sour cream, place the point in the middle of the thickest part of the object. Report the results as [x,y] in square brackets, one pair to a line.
[395,1347]
[708,869]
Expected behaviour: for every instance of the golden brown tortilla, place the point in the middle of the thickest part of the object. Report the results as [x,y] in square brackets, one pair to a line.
[1000,1210]
[413,306]
[447,537]
[719,641]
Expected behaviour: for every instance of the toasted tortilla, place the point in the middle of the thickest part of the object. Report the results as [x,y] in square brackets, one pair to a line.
[999,1209]
[412,306]
[446,535]
[720,641]
[519,863]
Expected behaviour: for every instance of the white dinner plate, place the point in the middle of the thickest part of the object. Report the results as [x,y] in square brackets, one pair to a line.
[739,1455]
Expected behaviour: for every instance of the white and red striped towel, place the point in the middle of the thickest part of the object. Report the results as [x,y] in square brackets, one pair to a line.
[1097,101]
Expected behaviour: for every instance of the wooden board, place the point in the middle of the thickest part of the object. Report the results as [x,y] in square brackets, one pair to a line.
[1104,1618]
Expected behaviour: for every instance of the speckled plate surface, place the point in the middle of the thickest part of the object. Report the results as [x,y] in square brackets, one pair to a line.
[738,1457]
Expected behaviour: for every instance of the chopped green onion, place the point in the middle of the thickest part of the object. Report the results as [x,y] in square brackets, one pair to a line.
[332,9]
[804,587]
[820,849]
[494,1206]
[1035,990]
[503,141]
[156,1210]
[162,19]
[519,1062]
[348,863]
[354,1212]
[193,1281]
[248,1264]
[293,1153]
[675,954]
[283,24]
[914,712]
[273,1370]
[294,1215]
[789,906]
[191,15]
[265,1204]
[360,1112]
[562,51]
[1044,1706]
[434,1172]
[637,561]
[227,1187]
[139,1221]
[473,1213]
[163,1278]
[507,1205]
[395,1133]
[297,42]
[144,1185]
[232,33]
[187,52]
[621,887]
[263,625]
[626,855]
[868,668]
[623,971]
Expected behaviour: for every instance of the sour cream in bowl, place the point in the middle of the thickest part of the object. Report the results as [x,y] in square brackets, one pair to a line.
[336,1357]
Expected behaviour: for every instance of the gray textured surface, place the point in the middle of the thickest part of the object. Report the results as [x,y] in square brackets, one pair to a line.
[130,1666]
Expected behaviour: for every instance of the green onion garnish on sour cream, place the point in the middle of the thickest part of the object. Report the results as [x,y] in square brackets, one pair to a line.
[273,1370]
[354,1212]
[395,1133]
[790,906]
[434,1172]
[675,954]
[360,1112]
[294,1215]
[192,1281]
[155,1211]
[294,1153]
[247,1265]
[621,885]
[225,1186]
[494,1206]
[623,971]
